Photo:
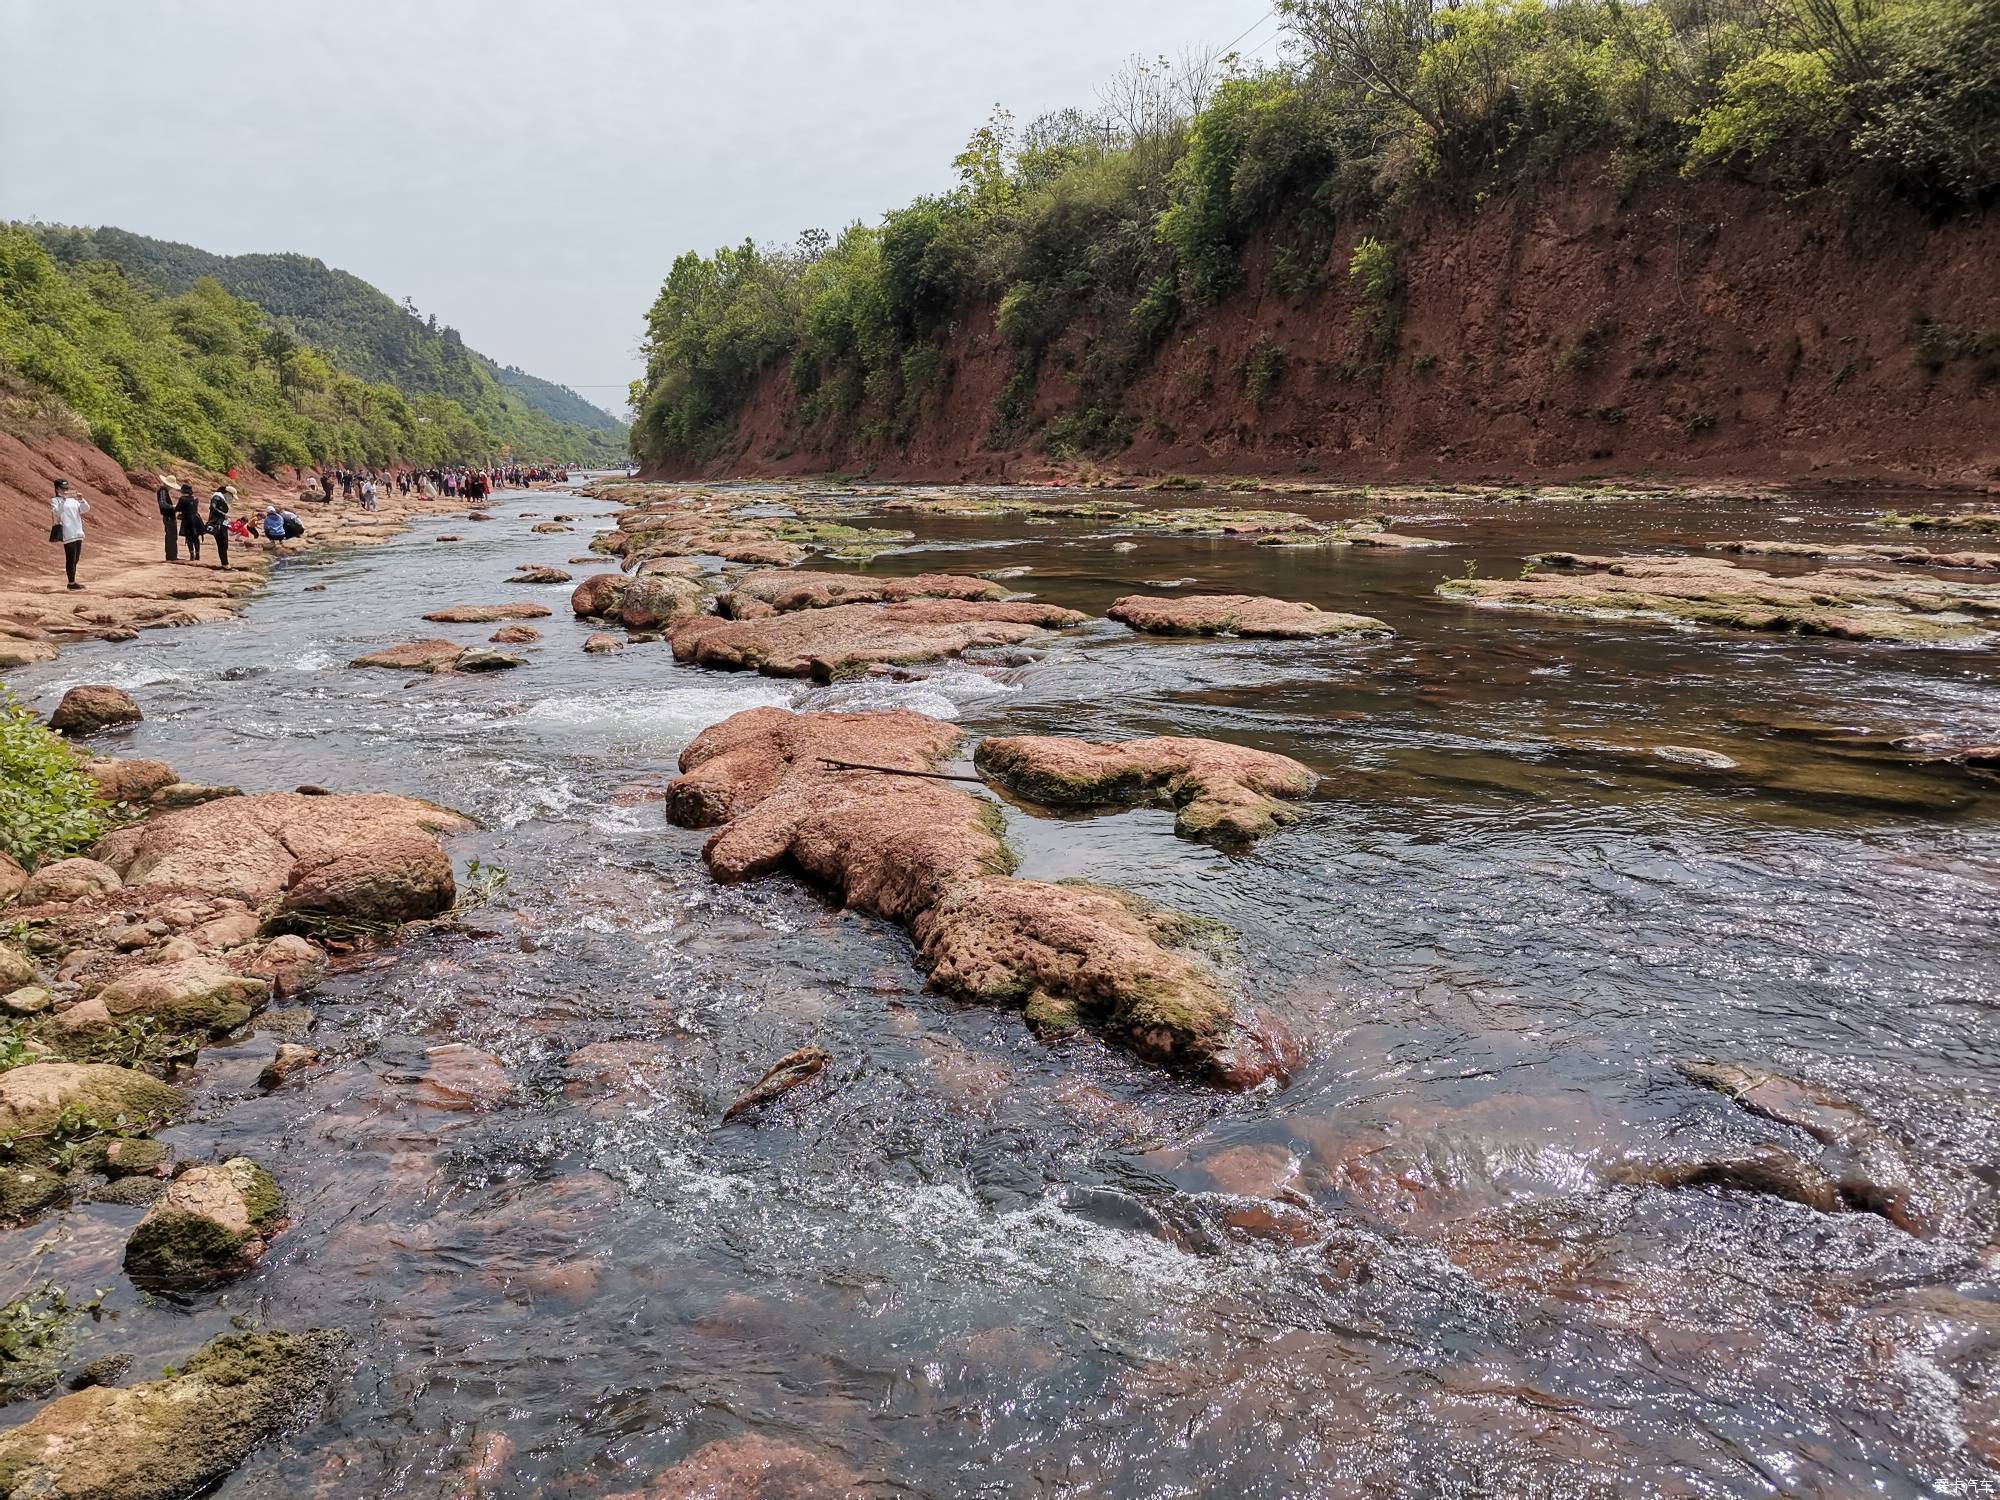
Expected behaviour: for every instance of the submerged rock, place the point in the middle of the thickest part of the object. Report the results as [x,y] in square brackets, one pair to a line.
[487,614]
[291,1058]
[93,706]
[1768,1171]
[1863,552]
[1871,1169]
[598,643]
[212,1223]
[1238,614]
[920,851]
[170,1438]
[784,1075]
[844,640]
[782,590]
[1956,520]
[371,856]
[1859,604]
[40,1101]
[1221,792]
[751,1468]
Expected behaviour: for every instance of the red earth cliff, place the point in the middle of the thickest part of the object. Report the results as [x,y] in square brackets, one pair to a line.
[1714,329]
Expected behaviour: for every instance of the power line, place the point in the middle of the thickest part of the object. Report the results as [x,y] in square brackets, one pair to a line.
[1230,45]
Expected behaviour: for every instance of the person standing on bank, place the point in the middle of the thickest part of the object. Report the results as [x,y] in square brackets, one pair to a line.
[66,526]
[218,523]
[170,525]
[192,525]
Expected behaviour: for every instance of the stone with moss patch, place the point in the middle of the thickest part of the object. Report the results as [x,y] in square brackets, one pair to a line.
[211,1223]
[44,1103]
[176,1436]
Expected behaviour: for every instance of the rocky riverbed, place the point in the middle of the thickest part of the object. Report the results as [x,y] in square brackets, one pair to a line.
[961,992]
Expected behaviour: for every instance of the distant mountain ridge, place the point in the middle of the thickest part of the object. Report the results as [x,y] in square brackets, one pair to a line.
[365,331]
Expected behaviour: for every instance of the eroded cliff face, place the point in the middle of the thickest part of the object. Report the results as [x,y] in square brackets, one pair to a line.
[1703,329]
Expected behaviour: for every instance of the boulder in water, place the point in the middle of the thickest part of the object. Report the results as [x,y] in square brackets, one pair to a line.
[172,1437]
[87,708]
[514,635]
[537,574]
[599,596]
[918,850]
[844,640]
[212,1223]
[487,614]
[597,643]
[414,656]
[1220,792]
[782,590]
[654,601]
[1239,614]
[752,1468]
[317,854]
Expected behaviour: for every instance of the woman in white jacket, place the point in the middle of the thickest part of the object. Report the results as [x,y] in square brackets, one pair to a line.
[67,511]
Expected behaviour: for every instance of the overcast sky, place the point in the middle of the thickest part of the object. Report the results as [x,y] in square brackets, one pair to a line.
[529,169]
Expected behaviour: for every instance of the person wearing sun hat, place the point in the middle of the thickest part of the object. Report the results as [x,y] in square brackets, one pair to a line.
[170,525]
[66,512]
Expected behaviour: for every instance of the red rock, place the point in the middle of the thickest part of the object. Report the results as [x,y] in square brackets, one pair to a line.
[487,614]
[94,706]
[842,640]
[599,595]
[68,880]
[1238,614]
[414,656]
[514,635]
[395,879]
[133,781]
[781,590]
[923,852]
[267,845]
[752,1468]
[654,601]
[784,1075]
[1222,792]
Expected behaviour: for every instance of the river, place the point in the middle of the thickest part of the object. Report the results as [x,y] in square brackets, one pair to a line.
[965,1263]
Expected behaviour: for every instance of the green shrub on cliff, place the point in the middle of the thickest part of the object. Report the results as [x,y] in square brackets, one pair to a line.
[48,805]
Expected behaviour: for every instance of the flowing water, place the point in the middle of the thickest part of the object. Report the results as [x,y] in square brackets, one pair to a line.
[966,1263]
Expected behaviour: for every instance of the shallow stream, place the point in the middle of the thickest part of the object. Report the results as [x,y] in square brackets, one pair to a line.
[969,1264]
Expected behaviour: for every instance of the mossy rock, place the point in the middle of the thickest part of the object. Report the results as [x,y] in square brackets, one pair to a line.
[42,1104]
[26,1190]
[173,1437]
[210,1224]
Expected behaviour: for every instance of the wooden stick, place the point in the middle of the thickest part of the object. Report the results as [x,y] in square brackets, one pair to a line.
[848,765]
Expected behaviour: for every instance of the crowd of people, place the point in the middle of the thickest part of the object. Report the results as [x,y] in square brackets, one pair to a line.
[186,523]
[451,481]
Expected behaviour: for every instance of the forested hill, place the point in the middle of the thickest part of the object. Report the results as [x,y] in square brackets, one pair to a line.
[365,332]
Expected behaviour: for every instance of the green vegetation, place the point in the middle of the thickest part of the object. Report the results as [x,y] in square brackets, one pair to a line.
[1090,237]
[209,378]
[48,805]
[363,333]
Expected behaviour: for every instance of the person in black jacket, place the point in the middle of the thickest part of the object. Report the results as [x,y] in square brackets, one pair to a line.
[189,510]
[218,523]
[169,517]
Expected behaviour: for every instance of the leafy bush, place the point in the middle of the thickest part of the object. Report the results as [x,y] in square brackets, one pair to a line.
[48,805]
